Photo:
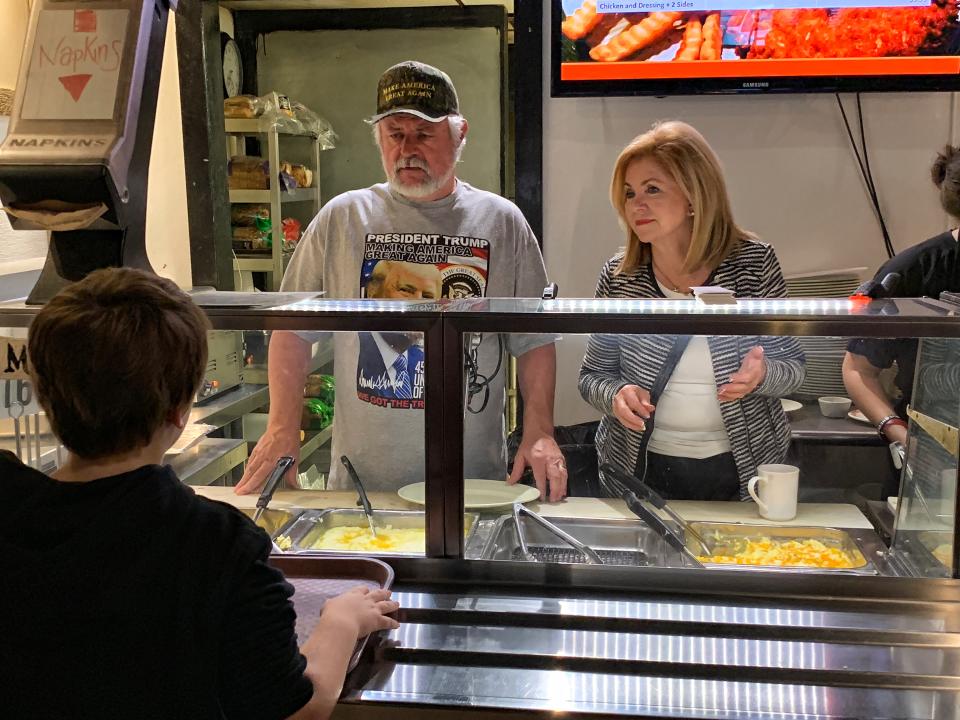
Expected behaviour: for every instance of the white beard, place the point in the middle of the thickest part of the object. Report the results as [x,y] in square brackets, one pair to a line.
[426,187]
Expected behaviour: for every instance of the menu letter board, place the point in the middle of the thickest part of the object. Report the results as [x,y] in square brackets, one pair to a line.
[13,359]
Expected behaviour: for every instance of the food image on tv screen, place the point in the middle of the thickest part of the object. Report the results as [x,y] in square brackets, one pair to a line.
[674,39]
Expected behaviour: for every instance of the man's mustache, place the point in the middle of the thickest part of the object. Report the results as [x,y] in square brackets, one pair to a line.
[411,162]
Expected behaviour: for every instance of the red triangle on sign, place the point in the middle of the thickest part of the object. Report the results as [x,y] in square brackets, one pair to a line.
[75,84]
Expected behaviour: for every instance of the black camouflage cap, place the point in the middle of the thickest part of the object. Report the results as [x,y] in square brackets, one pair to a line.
[416,88]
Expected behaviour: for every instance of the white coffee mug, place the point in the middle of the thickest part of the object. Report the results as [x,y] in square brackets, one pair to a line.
[774,487]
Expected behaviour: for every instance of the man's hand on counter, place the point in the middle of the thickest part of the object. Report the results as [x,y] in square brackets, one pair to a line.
[540,452]
[271,447]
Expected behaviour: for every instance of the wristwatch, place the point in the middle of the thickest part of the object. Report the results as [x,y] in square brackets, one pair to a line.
[889,420]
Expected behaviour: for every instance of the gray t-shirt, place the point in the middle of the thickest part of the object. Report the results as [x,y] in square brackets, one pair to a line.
[376,243]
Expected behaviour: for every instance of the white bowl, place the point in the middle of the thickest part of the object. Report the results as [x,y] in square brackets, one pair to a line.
[834,407]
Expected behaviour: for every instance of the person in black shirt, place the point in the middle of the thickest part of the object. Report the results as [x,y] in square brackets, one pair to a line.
[927,269]
[125,595]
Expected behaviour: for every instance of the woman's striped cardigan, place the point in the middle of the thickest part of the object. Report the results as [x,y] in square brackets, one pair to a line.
[755,424]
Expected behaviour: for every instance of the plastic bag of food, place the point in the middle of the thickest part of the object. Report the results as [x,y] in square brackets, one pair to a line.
[249,215]
[316,414]
[251,239]
[321,387]
[315,125]
[278,113]
[300,173]
[248,173]
[243,106]
[291,231]
[287,181]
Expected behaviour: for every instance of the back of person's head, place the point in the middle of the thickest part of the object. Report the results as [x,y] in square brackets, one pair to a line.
[112,356]
[690,161]
[946,176]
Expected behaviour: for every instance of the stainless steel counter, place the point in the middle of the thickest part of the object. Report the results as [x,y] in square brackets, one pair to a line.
[495,642]
[490,691]
[209,460]
[231,405]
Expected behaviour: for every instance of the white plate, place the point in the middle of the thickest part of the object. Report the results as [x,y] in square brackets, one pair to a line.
[859,416]
[478,494]
[790,405]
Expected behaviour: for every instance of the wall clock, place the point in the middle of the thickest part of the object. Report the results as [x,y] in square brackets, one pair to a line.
[232,66]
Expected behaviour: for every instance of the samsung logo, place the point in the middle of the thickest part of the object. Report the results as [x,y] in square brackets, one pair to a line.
[34,142]
[756,85]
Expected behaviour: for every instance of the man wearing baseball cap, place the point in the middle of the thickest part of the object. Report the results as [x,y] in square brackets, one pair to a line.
[416,89]
[423,215]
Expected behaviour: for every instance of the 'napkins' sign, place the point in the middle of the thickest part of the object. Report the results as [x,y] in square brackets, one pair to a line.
[13,359]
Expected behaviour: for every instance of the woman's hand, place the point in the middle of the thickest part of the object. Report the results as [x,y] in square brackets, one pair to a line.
[632,407]
[752,371]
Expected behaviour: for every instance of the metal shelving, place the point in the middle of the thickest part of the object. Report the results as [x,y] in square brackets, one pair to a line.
[274,262]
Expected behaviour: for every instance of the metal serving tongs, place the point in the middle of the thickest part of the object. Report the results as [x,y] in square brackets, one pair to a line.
[271,485]
[364,500]
[520,509]
[652,519]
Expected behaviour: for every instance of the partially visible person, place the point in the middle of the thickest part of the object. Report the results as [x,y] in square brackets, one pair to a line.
[691,416]
[927,269]
[423,233]
[125,594]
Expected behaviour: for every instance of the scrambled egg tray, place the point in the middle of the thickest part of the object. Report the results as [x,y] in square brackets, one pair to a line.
[944,553]
[788,553]
[388,539]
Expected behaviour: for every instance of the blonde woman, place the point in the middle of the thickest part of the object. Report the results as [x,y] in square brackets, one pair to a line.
[692,416]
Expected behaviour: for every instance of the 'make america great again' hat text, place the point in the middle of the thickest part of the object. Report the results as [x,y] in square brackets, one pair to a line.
[416,88]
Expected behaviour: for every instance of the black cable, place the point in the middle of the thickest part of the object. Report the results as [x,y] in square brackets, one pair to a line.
[863,144]
[866,161]
[856,150]
[499,356]
[867,174]
[478,382]
[865,171]
[865,164]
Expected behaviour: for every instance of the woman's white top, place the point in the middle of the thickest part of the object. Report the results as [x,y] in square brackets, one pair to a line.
[688,422]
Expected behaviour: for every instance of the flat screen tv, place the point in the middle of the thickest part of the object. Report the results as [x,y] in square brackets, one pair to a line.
[665,47]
